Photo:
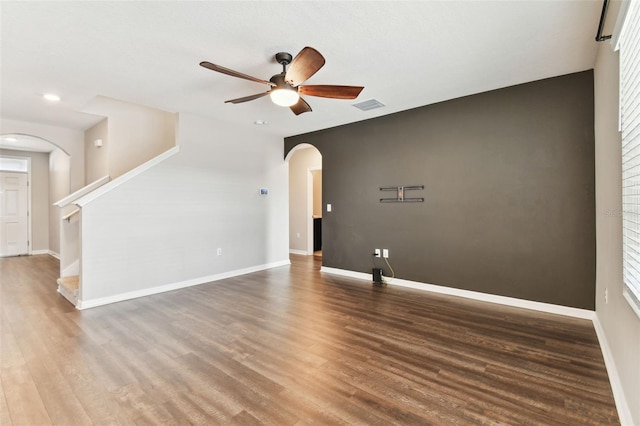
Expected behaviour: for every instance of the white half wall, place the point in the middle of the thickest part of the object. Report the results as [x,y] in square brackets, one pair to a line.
[165,225]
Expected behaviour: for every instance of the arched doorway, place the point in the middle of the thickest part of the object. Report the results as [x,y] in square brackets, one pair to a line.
[49,180]
[305,200]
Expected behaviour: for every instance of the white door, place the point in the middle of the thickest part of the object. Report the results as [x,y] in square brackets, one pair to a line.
[14,229]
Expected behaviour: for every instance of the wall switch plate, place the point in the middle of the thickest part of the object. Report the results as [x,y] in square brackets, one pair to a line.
[377,252]
[328,207]
[385,253]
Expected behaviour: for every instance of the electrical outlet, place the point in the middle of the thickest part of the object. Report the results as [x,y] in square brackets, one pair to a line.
[606,295]
[298,235]
[219,251]
[385,253]
[377,252]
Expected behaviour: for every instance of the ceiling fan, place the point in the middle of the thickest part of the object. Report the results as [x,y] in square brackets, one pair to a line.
[286,87]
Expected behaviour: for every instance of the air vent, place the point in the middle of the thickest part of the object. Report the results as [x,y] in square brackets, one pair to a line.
[368,105]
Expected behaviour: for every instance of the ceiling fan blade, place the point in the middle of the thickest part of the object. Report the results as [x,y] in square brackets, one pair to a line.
[304,65]
[300,107]
[247,98]
[331,91]
[223,70]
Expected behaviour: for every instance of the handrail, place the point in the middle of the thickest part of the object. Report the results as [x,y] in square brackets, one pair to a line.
[603,15]
[69,199]
[68,216]
[125,177]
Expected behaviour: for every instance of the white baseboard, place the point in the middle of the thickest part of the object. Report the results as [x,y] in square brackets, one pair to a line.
[468,294]
[300,252]
[45,251]
[86,304]
[624,413]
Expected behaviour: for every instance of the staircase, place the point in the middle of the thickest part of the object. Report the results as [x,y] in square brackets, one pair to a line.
[70,214]
[68,287]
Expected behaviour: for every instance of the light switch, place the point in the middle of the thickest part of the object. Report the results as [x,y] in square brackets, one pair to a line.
[328,207]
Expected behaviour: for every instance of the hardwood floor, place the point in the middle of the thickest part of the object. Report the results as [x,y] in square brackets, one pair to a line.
[290,346]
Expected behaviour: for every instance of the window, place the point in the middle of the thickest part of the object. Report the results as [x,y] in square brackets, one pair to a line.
[629,45]
[14,164]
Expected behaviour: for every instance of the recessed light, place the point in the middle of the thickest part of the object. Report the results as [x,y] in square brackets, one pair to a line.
[260,122]
[11,139]
[51,97]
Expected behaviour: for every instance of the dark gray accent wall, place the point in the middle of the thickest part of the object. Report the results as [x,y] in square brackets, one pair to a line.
[509,192]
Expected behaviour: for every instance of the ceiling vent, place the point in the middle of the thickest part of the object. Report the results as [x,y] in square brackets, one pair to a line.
[369,105]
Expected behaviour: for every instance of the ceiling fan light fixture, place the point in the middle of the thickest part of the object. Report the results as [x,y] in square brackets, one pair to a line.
[284,97]
[285,88]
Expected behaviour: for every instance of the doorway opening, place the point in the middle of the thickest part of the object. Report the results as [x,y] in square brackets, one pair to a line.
[48,175]
[15,205]
[305,200]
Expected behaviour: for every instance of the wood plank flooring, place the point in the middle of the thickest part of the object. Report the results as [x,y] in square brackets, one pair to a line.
[290,346]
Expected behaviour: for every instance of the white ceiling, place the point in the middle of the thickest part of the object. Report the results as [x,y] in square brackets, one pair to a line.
[406,54]
[25,143]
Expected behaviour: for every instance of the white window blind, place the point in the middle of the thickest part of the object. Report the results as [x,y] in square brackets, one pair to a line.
[629,45]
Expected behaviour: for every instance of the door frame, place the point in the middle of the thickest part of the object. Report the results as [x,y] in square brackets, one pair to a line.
[29,215]
[310,192]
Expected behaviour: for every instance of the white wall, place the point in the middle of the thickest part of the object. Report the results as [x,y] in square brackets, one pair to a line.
[136,133]
[317,193]
[69,140]
[300,212]
[59,169]
[619,323]
[96,159]
[164,226]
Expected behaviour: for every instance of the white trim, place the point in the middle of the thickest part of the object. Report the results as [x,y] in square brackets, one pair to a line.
[68,216]
[468,294]
[624,413]
[86,304]
[300,252]
[53,254]
[617,29]
[29,207]
[346,273]
[37,252]
[126,177]
[82,192]
[631,300]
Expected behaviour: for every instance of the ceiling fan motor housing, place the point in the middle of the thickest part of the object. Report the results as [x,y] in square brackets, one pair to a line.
[280,82]
[284,58]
